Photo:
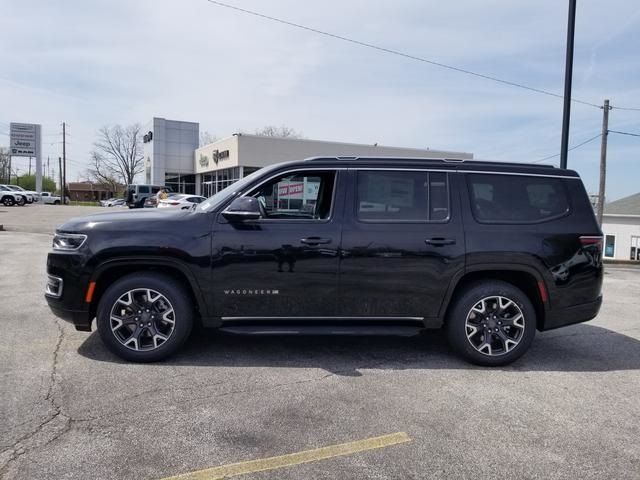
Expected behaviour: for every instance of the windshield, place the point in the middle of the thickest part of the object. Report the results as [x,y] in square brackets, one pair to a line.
[223,195]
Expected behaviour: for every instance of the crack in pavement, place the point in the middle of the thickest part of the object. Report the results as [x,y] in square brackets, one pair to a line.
[58,421]
[209,396]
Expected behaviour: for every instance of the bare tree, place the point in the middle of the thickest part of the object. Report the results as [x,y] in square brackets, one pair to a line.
[206,138]
[100,173]
[4,165]
[280,132]
[117,154]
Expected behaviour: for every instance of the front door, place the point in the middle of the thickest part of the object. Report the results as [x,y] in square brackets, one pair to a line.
[402,243]
[286,263]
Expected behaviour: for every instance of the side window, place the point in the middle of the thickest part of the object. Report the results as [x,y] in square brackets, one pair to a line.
[143,189]
[402,196]
[305,195]
[155,189]
[516,198]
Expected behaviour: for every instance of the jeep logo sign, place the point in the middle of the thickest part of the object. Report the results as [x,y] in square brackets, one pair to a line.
[204,161]
[217,155]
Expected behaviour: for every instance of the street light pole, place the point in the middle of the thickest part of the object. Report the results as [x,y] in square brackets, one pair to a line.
[568,76]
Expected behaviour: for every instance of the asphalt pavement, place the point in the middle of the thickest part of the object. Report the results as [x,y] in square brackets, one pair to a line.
[70,409]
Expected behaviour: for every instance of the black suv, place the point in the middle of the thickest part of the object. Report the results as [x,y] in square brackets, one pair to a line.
[489,251]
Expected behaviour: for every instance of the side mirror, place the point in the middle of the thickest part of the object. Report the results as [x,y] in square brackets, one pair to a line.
[242,208]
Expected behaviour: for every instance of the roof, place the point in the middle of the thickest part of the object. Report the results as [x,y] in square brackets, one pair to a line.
[449,164]
[625,206]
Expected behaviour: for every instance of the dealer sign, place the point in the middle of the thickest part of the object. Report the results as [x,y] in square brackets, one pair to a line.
[24,139]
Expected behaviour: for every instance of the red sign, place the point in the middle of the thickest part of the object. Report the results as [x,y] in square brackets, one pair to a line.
[290,189]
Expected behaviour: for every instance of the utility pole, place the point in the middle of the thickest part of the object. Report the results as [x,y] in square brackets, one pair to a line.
[568,76]
[29,166]
[63,198]
[60,172]
[48,166]
[603,159]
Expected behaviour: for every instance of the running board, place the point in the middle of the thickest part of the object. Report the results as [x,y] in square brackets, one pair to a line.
[399,330]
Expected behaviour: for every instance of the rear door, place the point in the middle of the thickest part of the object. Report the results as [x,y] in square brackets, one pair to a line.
[403,242]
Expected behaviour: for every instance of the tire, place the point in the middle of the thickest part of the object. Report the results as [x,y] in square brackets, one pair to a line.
[471,317]
[135,335]
[8,201]
[56,202]
[21,202]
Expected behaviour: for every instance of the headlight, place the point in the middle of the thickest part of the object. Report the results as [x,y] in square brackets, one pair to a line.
[68,241]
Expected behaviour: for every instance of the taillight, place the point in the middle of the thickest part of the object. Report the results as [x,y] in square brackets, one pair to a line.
[595,241]
[174,203]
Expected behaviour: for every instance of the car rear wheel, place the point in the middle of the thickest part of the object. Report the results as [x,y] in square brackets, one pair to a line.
[491,323]
[145,317]
[56,202]
[8,201]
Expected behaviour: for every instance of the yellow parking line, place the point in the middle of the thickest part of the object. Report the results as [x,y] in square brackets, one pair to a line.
[306,456]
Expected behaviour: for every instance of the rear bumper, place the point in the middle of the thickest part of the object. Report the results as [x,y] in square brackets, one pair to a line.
[574,314]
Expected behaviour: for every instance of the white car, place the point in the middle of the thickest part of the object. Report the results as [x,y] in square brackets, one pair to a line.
[113,202]
[29,195]
[181,200]
[9,197]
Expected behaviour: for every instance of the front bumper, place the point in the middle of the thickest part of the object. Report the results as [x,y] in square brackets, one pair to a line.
[575,314]
[79,318]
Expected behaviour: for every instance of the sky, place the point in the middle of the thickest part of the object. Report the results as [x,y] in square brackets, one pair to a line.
[91,64]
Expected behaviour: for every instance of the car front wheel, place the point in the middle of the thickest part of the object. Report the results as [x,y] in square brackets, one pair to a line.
[8,201]
[145,317]
[491,323]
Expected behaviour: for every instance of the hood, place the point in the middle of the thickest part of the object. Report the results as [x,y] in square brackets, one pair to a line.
[147,220]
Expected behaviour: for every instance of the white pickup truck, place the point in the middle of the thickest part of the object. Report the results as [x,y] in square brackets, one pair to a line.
[49,198]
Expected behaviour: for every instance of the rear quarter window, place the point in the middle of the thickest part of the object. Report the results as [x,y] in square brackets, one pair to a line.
[516,198]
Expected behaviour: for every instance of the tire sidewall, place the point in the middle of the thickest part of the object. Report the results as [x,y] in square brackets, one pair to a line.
[456,323]
[163,284]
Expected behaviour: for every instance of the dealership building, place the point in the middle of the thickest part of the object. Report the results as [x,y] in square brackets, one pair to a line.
[621,228]
[173,157]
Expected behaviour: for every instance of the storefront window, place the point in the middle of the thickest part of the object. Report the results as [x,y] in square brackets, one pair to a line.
[609,245]
[180,183]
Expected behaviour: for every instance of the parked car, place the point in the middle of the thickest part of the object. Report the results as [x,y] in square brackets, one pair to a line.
[30,196]
[342,245]
[50,198]
[9,197]
[181,200]
[117,203]
[113,202]
[135,195]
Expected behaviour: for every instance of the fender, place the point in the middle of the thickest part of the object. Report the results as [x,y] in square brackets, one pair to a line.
[489,267]
[152,260]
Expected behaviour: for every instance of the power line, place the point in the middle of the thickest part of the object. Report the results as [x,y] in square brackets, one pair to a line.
[401,54]
[572,148]
[630,109]
[625,133]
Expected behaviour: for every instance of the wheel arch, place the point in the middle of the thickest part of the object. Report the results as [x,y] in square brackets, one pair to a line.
[523,277]
[109,271]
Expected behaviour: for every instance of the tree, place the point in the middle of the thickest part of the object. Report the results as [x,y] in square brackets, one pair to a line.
[102,174]
[279,132]
[4,165]
[28,182]
[117,154]
[206,138]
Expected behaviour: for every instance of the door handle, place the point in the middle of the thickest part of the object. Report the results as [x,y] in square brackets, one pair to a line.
[439,241]
[315,241]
